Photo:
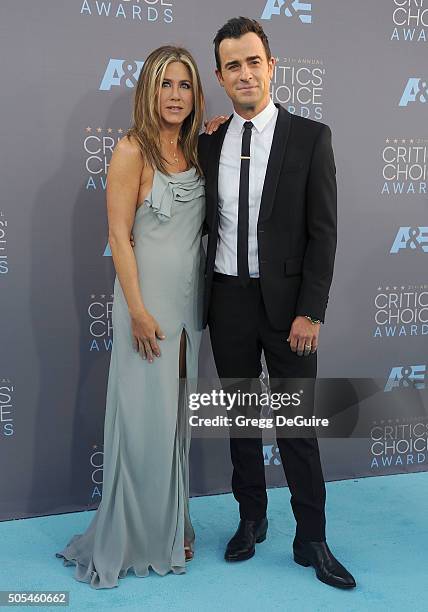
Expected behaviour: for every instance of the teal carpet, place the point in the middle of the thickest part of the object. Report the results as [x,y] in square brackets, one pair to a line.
[377,527]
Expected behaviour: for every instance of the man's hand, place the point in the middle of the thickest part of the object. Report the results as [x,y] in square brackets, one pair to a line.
[213,124]
[303,336]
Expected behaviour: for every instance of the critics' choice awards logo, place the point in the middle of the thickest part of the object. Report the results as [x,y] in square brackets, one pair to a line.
[416,90]
[130,10]
[401,311]
[399,442]
[98,144]
[289,8]
[410,20]
[96,464]
[4,264]
[405,162]
[411,239]
[100,324]
[298,84]
[6,407]
[405,377]
[121,73]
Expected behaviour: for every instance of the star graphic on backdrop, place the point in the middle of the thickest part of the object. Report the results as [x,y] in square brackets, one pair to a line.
[89,129]
[120,131]
[109,130]
[99,130]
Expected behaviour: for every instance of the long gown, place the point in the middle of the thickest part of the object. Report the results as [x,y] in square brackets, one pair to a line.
[143,517]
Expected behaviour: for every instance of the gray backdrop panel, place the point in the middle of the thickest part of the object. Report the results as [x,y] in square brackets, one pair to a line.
[345,63]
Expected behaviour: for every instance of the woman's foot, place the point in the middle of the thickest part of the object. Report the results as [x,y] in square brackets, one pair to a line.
[188,551]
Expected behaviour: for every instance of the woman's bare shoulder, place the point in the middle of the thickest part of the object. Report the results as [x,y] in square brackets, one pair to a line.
[128,151]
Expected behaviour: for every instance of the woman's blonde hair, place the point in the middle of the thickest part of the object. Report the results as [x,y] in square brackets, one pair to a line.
[146,113]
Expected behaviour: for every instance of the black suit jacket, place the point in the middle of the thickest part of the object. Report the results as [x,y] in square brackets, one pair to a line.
[296,229]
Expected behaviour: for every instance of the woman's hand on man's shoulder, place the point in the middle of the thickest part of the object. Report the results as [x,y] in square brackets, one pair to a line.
[214,123]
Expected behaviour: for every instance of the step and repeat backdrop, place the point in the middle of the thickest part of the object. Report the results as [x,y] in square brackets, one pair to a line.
[68,72]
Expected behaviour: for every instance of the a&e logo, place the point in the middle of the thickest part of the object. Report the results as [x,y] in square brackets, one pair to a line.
[413,238]
[271,454]
[292,7]
[403,377]
[416,90]
[121,73]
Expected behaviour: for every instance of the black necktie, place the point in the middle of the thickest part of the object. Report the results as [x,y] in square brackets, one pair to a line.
[243,273]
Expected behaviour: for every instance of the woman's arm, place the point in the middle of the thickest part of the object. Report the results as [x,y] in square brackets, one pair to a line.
[123,184]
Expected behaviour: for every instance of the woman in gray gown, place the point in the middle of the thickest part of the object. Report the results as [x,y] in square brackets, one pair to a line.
[155,191]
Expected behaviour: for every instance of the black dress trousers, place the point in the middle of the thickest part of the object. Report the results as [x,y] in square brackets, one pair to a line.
[239,331]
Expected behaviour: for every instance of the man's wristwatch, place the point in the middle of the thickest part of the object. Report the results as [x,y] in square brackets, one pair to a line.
[313,321]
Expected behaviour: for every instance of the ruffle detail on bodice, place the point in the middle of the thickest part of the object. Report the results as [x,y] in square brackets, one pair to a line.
[181,187]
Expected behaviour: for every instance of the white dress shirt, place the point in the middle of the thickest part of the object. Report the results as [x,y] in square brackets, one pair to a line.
[228,188]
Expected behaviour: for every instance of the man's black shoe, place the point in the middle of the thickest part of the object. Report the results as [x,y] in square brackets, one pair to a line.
[243,544]
[327,567]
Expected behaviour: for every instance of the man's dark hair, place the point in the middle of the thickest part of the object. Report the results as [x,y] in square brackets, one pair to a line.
[235,28]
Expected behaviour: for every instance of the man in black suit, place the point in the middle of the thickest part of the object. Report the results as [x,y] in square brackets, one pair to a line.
[271,222]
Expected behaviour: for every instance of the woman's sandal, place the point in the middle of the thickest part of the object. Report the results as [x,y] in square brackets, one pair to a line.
[188,552]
